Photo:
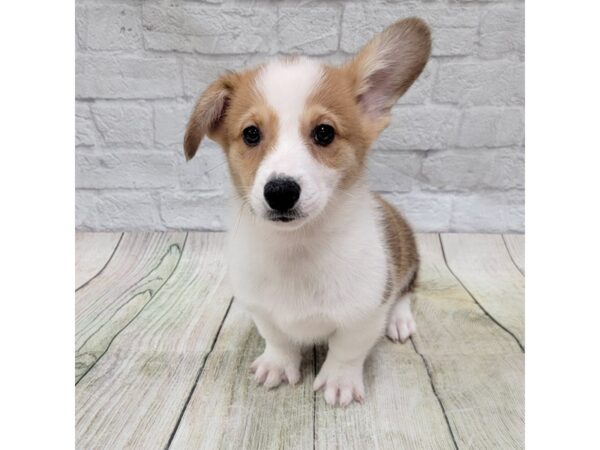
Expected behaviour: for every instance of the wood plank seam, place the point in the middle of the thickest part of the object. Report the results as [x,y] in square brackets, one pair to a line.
[472,385]
[104,266]
[511,256]
[198,375]
[492,318]
[136,315]
[429,374]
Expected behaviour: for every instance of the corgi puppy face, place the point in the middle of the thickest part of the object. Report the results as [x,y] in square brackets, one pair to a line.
[296,132]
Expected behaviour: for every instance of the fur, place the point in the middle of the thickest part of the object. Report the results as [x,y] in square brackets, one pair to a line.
[343,270]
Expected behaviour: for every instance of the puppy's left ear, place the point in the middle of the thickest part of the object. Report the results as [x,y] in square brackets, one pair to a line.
[387,66]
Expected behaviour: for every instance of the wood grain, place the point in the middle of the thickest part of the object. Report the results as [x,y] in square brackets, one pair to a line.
[516,247]
[482,264]
[475,366]
[484,399]
[169,356]
[449,321]
[139,268]
[400,409]
[228,410]
[134,395]
[92,252]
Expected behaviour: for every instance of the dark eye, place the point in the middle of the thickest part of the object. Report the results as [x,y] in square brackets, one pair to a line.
[323,134]
[251,135]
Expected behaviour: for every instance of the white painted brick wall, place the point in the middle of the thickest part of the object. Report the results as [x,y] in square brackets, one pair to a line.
[452,158]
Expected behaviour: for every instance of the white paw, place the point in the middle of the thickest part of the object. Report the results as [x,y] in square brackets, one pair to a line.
[341,384]
[401,325]
[271,370]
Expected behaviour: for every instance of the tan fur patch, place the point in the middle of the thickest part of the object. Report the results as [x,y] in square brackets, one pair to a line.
[402,247]
[229,105]
[389,286]
[244,160]
[334,104]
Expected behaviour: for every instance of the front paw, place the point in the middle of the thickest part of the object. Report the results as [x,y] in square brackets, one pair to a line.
[342,384]
[270,369]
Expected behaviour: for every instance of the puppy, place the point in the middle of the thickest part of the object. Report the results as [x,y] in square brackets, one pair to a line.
[314,255]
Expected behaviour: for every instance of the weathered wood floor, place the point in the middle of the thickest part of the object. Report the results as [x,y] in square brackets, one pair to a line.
[163,350]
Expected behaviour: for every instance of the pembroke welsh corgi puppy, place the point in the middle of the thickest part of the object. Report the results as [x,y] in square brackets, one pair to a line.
[314,256]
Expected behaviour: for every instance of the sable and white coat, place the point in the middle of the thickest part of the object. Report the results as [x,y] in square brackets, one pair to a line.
[340,265]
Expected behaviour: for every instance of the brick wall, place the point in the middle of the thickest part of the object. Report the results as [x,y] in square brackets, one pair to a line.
[452,158]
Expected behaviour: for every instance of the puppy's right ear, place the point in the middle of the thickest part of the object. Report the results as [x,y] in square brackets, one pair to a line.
[207,116]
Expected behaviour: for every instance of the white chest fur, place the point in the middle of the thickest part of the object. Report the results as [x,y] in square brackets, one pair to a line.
[311,281]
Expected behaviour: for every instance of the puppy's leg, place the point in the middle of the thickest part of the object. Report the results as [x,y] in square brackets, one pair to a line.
[281,359]
[341,375]
[401,323]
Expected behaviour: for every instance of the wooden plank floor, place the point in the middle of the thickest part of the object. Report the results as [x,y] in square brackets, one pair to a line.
[163,351]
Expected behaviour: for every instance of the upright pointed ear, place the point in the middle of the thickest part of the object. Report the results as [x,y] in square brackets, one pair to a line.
[207,116]
[387,66]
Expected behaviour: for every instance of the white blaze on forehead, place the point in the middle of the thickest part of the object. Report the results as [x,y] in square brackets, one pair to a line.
[287,85]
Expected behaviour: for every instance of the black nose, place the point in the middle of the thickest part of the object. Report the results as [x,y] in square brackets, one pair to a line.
[282,193]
